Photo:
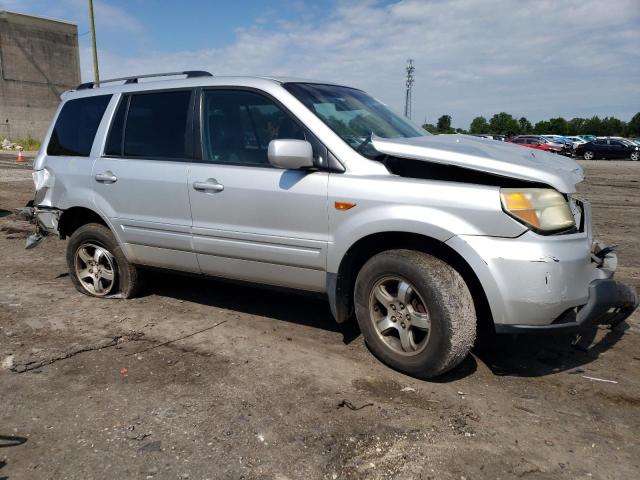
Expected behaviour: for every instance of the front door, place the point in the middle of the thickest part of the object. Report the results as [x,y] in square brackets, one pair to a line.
[252,221]
[140,182]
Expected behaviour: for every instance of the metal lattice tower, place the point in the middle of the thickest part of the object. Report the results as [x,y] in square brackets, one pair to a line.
[408,97]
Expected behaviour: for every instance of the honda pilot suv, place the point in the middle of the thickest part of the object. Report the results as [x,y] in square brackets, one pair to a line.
[321,188]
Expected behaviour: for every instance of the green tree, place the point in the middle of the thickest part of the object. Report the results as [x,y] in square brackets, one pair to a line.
[444,124]
[575,126]
[558,126]
[525,125]
[431,128]
[504,124]
[542,127]
[633,127]
[612,126]
[593,126]
[479,125]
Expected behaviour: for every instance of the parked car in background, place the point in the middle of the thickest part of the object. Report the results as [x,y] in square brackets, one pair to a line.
[537,144]
[575,141]
[587,138]
[567,145]
[500,138]
[608,148]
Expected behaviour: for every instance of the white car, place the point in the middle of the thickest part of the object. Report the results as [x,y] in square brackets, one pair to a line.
[576,141]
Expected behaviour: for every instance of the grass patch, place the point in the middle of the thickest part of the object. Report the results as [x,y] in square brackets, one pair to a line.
[29,143]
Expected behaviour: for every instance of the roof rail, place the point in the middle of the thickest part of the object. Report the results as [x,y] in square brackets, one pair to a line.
[134,79]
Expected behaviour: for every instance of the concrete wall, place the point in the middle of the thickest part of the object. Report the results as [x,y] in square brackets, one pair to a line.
[39,60]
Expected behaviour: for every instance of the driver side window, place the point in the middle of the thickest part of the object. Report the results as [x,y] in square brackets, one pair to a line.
[238,125]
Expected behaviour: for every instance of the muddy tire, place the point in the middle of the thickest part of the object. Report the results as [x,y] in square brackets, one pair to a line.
[97,266]
[415,312]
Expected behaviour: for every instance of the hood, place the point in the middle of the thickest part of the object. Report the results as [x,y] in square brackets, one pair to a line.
[490,156]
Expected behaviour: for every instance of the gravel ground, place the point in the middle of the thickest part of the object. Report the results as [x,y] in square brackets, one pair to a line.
[279,391]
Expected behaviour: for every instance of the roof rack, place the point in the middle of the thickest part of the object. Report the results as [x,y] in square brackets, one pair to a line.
[134,79]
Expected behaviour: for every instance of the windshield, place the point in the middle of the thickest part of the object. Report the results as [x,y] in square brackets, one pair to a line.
[353,115]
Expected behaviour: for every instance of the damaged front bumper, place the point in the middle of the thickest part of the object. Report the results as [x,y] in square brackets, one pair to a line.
[610,303]
[535,283]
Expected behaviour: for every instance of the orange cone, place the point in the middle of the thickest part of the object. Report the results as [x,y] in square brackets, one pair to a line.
[20,157]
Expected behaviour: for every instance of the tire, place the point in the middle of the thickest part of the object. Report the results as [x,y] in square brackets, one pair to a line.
[588,155]
[635,156]
[112,275]
[437,297]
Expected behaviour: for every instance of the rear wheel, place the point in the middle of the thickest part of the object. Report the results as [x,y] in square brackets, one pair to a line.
[588,155]
[415,312]
[97,265]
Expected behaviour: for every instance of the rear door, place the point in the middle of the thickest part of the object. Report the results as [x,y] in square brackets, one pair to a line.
[140,181]
[252,221]
[601,148]
[617,149]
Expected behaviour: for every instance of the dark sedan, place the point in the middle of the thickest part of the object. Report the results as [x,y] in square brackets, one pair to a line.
[607,148]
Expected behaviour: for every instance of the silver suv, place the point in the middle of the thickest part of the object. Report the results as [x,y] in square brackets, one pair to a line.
[320,187]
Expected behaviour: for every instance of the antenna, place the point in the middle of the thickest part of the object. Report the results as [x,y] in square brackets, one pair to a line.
[408,100]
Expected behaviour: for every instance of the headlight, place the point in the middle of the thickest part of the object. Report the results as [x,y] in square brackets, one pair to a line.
[542,209]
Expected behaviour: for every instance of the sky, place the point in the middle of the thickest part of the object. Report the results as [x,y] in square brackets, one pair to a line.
[538,59]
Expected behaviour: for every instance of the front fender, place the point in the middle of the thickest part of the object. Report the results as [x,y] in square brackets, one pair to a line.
[393,218]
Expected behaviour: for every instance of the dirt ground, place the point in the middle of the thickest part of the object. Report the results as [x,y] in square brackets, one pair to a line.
[267,393]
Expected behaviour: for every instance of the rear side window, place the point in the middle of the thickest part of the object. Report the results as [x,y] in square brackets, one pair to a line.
[76,126]
[156,125]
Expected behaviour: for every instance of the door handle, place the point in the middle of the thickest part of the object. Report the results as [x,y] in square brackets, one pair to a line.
[210,185]
[106,177]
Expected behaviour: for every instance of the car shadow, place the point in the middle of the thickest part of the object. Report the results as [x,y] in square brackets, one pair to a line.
[537,355]
[533,355]
[289,306]
[9,441]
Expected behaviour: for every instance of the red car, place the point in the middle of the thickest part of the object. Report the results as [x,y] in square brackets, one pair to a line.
[538,143]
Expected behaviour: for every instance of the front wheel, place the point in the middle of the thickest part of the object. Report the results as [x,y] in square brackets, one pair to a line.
[97,265]
[415,312]
[588,155]
[635,156]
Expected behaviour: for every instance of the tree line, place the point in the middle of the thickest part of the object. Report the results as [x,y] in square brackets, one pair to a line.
[505,124]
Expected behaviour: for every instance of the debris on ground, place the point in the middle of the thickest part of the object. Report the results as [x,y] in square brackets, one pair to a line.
[595,379]
[7,144]
[346,403]
[42,358]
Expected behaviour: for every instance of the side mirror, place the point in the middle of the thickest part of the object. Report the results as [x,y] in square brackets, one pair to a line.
[290,154]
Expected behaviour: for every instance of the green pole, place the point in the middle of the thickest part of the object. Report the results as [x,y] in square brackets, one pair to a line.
[96,72]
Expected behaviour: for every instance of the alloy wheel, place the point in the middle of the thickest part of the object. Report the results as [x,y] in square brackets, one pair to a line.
[588,155]
[399,315]
[95,269]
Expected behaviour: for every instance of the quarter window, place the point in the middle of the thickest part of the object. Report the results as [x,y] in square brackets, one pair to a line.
[76,126]
[114,141]
[156,125]
[237,127]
